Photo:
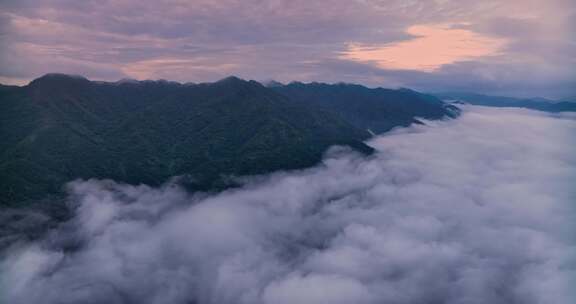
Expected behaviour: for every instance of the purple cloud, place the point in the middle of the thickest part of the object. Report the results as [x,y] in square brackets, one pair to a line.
[286,40]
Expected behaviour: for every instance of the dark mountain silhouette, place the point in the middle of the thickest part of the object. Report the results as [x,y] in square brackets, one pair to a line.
[540,104]
[61,127]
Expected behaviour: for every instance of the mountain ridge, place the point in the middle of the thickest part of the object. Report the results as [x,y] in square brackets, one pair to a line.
[61,127]
[376,109]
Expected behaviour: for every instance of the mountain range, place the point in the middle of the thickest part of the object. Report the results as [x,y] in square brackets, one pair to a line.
[61,127]
[541,104]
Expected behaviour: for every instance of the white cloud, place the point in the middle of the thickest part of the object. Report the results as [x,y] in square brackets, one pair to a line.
[475,210]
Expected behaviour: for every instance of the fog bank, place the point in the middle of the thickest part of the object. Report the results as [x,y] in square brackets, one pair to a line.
[474,210]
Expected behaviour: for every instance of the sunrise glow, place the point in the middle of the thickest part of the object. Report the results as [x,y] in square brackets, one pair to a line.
[433,46]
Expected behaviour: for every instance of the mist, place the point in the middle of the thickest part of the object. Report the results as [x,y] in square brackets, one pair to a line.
[474,210]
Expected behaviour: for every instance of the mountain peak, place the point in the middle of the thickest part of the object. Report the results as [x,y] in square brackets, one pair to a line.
[273,83]
[235,82]
[231,79]
[127,81]
[53,78]
[61,76]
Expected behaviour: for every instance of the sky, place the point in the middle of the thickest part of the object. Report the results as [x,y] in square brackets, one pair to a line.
[475,210]
[502,47]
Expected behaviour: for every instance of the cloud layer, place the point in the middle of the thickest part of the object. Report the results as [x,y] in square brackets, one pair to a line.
[527,45]
[475,210]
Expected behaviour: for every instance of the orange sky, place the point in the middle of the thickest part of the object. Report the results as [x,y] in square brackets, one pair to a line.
[434,46]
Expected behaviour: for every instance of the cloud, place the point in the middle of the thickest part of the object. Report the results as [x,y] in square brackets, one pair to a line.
[293,40]
[474,210]
[498,78]
[434,45]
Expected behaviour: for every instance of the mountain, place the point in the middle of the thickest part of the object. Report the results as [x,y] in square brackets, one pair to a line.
[540,104]
[377,110]
[60,128]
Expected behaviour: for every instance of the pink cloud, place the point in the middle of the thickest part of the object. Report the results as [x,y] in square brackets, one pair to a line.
[435,45]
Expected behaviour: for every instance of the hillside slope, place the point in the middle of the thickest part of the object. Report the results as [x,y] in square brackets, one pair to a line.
[377,110]
[60,127]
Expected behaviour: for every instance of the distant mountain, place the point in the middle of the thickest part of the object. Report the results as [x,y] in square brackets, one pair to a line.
[60,127]
[541,104]
[377,110]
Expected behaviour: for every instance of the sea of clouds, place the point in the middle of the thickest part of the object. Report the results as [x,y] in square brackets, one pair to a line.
[476,210]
